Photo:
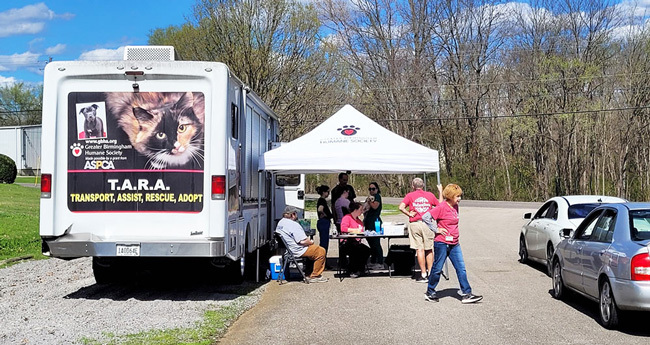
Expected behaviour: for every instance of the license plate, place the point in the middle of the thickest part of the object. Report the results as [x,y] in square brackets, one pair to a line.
[128,250]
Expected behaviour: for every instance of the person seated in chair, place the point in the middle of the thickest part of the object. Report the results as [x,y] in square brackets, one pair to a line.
[358,251]
[300,245]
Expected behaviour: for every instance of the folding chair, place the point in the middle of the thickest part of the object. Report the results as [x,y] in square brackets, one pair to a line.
[288,257]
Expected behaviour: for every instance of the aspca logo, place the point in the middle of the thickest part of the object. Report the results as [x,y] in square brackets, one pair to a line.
[76,149]
[99,165]
[349,130]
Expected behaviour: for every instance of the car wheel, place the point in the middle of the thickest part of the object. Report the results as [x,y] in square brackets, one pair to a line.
[558,283]
[609,313]
[549,259]
[523,251]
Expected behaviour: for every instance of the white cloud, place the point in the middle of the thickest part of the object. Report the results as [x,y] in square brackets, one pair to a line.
[57,49]
[15,61]
[4,81]
[103,54]
[521,13]
[638,8]
[30,19]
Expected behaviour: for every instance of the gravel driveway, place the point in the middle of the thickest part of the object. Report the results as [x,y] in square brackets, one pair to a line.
[57,302]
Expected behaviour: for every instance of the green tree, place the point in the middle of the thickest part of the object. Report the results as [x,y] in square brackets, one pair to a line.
[20,104]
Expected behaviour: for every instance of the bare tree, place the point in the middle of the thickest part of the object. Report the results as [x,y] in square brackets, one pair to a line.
[273,45]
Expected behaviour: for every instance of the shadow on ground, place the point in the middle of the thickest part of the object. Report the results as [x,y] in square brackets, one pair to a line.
[177,283]
[630,322]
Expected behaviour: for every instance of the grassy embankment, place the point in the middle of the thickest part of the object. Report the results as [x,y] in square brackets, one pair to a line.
[19,236]
[35,180]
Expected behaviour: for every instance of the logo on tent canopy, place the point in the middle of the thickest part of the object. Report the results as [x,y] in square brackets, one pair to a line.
[348,130]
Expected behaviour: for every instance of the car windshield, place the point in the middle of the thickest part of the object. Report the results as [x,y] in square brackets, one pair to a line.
[580,210]
[640,220]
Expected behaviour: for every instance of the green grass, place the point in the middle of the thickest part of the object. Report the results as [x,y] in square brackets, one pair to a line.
[19,234]
[28,179]
[386,209]
[214,324]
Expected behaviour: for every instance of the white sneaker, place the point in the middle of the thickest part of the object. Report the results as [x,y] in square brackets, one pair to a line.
[318,280]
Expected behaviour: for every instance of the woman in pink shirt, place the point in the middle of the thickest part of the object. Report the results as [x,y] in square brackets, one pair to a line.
[353,247]
[446,245]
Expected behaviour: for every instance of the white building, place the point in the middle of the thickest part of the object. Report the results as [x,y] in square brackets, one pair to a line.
[23,145]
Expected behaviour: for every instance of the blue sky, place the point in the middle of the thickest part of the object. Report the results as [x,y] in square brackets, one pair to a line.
[33,31]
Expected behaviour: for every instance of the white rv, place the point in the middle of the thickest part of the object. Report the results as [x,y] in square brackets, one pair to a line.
[150,157]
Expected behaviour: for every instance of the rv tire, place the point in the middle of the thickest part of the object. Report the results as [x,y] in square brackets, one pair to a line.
[103,270]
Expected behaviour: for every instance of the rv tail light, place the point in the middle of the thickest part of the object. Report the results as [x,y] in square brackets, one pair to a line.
[641,267]
[46,186]
[218,187]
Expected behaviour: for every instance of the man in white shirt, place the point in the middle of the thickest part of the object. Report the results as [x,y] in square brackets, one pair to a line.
[300,245]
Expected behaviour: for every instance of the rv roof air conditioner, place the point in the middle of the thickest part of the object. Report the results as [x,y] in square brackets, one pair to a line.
[149,53]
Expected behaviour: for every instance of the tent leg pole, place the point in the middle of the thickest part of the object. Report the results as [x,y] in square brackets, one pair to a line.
[425,181]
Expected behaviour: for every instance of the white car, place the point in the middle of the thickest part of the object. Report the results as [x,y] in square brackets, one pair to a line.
[540,236]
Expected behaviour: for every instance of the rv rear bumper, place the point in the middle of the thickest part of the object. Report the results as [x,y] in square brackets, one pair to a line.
[80,245]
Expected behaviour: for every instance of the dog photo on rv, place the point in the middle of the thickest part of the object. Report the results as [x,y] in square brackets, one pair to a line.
[91,119]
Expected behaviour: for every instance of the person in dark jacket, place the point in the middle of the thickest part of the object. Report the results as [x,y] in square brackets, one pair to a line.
[324,216]
[337,191]
[372,213]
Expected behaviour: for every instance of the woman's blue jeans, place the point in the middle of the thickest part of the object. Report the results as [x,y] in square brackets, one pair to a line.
[442,251]
[323,226]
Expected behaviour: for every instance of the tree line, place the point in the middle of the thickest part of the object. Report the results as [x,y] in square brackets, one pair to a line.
[523,101]
[20,105]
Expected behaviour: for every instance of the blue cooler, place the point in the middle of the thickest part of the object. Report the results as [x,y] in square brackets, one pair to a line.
[275,266]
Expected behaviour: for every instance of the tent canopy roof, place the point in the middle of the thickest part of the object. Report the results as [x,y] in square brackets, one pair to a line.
[349,140]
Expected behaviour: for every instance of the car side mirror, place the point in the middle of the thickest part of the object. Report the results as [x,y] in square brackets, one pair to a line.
[528,215]
[566,232]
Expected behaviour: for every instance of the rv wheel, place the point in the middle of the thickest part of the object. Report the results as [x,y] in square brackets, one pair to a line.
[104,270]
[235,270]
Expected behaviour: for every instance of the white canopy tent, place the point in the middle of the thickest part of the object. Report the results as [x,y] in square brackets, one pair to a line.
[350,141]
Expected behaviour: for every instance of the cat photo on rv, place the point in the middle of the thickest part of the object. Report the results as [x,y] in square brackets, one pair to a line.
[164,127]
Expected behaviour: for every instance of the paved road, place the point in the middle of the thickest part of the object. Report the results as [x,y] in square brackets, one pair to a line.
[517,308]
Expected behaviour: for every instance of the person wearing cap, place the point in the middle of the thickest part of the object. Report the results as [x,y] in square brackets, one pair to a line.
[300,245]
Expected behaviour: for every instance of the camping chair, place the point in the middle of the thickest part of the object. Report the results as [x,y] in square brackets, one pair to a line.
[288,257]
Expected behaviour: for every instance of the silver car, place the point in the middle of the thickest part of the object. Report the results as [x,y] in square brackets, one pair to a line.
[607,260]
